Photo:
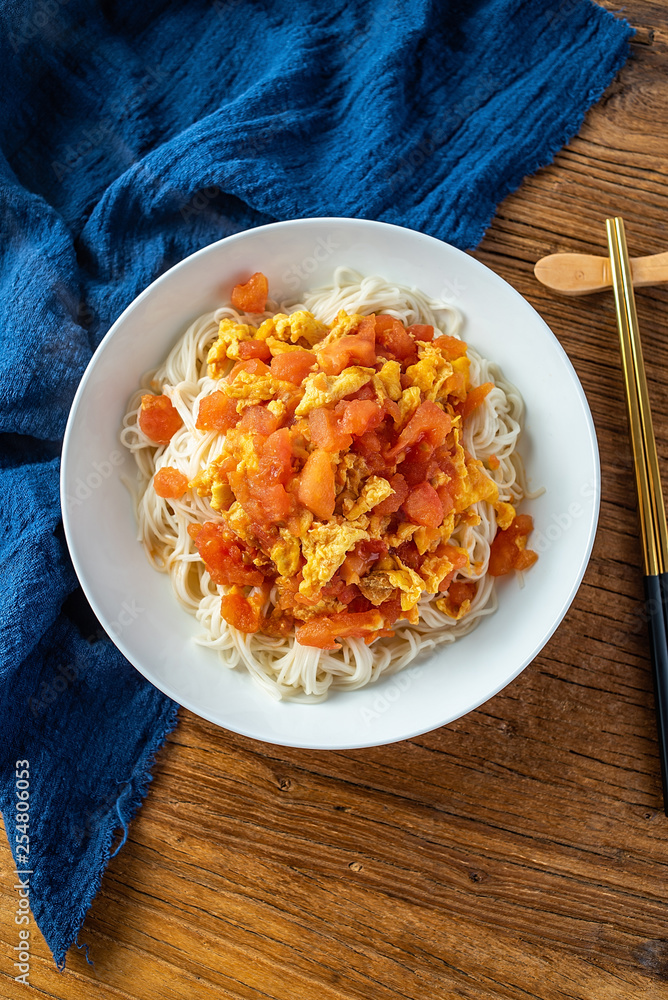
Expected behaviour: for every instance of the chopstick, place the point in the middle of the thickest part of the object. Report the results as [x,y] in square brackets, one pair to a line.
[651,510]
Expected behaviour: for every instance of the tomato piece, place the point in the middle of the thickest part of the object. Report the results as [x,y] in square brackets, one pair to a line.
[216,412]
[474,398]
[421,331]
[392,338]
[416,469]
[525,559]
[316,484]
[340,590]
[323,630]
[239,613]
[366,392]
[451,347]
[392,503]
[508,551]
[446,498]
[275,501]
[293,366]
[462,590]
[258,420]
[358,562]
[325,431]
[357,416]
[254,349]
[354,349]
[254,366]
[169,483]
[391,610]
[158,418]
[522,524]
[392,410]
[222,556]
[276,458]
[458,559]
[251,296]
[277,624]
[423,506]
[358,604]
[429,423]
[369,446]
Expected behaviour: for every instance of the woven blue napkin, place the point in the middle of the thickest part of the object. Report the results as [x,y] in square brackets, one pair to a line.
[133,134]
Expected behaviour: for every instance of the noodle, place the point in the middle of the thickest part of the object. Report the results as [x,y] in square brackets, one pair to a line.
[281,666]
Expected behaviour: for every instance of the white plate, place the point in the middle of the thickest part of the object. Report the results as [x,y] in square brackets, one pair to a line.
[136,605]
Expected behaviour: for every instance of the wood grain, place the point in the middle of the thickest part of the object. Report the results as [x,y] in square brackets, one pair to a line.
[521,852]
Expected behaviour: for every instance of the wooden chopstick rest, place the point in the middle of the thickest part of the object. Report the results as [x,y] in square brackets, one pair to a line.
[583,273]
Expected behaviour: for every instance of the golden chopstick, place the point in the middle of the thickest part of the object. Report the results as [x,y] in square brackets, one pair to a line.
[648,478]
[651,507]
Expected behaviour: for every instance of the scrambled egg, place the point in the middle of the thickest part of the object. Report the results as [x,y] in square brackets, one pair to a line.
[342,326]
[505,512]
[387,382]
[435,568]
[280,347]
[221,496]
[472,482]
[277,407]
[408,403]
[379,585]
[426,538]
[298,326]
[404,533]
[249,389]
[409,583]
[430,373]
[373,492]
[324,548]
[239,521]
[320,389]
[445,605]
[230,335]
[457,383]
[209,479]
[286,554]
[350,472]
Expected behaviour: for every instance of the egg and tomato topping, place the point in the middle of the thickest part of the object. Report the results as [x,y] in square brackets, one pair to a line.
[343,474]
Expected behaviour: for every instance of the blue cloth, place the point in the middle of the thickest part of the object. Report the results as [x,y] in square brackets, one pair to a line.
[133,134]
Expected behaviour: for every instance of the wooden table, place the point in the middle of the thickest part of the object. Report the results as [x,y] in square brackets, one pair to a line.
[519,852]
